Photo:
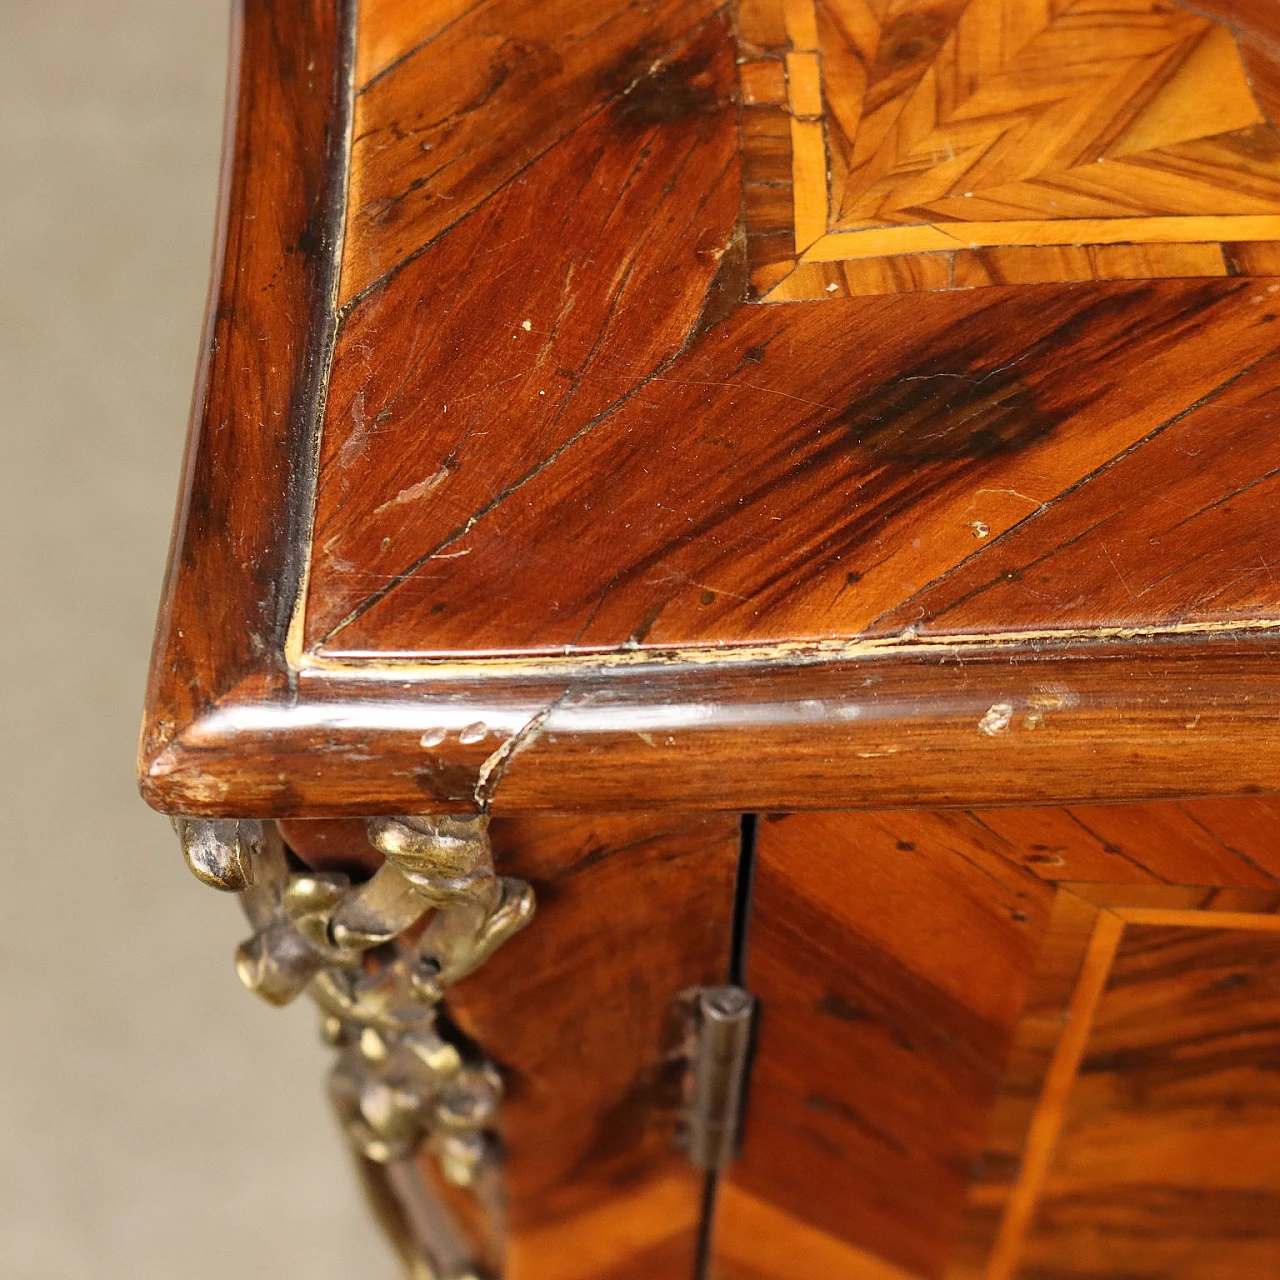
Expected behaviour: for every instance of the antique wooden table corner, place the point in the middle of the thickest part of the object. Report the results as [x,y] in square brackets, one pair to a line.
[754,525]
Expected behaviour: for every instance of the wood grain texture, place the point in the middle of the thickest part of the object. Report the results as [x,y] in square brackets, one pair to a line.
[1169,1157]
[430,147]
[1120,554]
[891,975]
[567,516]
[1134,1134]
[645,200]
[582,1012]
[821,489]
[972,1064]
[1206,848]
[755,1240]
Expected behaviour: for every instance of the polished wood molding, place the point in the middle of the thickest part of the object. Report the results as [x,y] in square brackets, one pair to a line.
[234,568]
[978,725]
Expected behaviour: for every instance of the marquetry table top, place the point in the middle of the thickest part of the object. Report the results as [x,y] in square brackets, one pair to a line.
[585,344]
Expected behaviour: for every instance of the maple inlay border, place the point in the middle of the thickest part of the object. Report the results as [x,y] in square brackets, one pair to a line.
[939,144]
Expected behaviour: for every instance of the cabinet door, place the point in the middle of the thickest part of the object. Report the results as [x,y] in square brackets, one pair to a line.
[582,1012]
[1022,1043]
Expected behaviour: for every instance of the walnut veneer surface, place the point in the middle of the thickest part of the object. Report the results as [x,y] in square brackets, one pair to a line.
[889,386]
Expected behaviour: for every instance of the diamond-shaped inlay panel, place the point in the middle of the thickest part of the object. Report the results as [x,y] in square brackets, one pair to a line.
[898,145]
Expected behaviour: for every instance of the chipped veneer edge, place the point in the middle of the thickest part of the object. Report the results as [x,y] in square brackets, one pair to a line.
[795,652]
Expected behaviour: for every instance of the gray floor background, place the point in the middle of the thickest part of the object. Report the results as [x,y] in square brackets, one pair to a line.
[156,1123]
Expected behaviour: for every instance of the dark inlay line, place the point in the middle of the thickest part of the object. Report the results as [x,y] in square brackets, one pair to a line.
[706,1224]
[534,471]
[308,411]
[1230,848]
[743,889]
[395,63]
[592,113]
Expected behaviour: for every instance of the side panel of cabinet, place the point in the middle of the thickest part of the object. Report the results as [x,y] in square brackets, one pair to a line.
[582,1012]
[1023,1043]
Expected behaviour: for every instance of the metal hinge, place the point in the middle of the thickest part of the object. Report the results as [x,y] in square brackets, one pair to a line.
[720,1060]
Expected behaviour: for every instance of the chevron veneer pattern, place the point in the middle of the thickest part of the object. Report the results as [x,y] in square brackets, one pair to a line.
[902,145]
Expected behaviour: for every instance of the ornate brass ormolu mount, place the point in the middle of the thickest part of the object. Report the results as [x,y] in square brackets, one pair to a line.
[377,972]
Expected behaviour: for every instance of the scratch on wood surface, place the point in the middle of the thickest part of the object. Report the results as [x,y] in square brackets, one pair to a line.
[415,491]
[1120,577]
[1035,502]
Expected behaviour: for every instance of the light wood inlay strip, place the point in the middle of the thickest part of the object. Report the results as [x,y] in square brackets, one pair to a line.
[809,182]
[1042,1136]
[1199,919]
[801,17]
[879,241]
[842,246]
[804,82]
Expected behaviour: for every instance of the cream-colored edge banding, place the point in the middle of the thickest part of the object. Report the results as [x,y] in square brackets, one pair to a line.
[793,651]
[1046,1122]
[1184,917]
[810,200]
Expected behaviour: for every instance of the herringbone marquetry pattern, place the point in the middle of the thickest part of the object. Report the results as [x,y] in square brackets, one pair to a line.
[922,132]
